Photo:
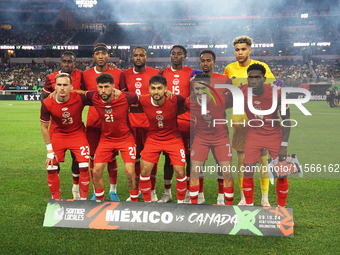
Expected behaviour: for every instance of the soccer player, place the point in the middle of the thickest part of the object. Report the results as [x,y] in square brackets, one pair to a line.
[163,136]
[206,136]
[93,126]
[237,72]
[112,107]
[67,65]
[207,63]
[178,81]
[69,133]
[265,132]
[136,80]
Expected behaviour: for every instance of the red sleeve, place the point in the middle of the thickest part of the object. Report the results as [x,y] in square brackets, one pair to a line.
[82,82]
[122,84]
[48,86]
[85,100]
[228,99]
[89,94]
[181,104]
[44,113]
[131,98]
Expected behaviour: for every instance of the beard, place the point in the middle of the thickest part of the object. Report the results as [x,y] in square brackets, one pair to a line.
[139,65]
[157,99]
[105,97]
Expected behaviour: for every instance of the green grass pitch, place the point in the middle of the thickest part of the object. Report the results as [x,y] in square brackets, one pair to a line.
[24,194]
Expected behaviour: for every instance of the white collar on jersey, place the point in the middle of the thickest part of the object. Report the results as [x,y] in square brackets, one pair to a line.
[59,101]
[154,103]
[135,72]
[95,69]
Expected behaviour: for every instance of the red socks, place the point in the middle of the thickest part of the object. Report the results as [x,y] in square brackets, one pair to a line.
[194,193]
[181,187]
[229,195]
[53,183]
[282,191]
[145,187]
[248,190]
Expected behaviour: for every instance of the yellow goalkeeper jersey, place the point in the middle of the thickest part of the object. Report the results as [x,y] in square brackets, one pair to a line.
[238,74]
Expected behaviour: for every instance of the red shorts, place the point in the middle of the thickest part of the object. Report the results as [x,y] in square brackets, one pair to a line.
[256,143]
[140,135]
[184,129]
[93,137]
[75,142]
[221,149]
[174,148]
[107,149]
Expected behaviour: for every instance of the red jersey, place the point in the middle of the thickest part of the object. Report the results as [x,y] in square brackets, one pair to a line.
[204,124]
[113,115]
[163,118]
[77,81]
[262,102]
[137,83]
[219,79]
[178,82]
[90,76]
[67,117]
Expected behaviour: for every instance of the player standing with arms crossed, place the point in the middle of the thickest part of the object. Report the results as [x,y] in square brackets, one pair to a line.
[69,133]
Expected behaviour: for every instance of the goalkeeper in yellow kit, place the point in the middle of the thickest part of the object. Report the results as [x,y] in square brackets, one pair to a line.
[237,72]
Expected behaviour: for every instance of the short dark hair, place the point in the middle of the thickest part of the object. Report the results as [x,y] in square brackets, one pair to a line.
[158,79]
[140,47]
[181,47]
[104,78]
[209,52]
[100,47]
[257,67]
[60,75]
[68,53]
[203,77]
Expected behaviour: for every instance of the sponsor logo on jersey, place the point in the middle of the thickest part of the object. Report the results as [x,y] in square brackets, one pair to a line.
[64,109]
[257,102]
[159,112]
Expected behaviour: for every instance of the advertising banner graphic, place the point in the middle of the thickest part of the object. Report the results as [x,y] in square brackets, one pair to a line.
[170,217]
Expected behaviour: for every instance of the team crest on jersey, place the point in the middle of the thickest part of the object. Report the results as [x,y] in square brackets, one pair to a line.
[66,115]
[64,109]
[192,153]
[175,81]
[108,110]
[159,117]
[138,85]
[233,78]
[159,112]
[257,102]
[257,107]
[207,117]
